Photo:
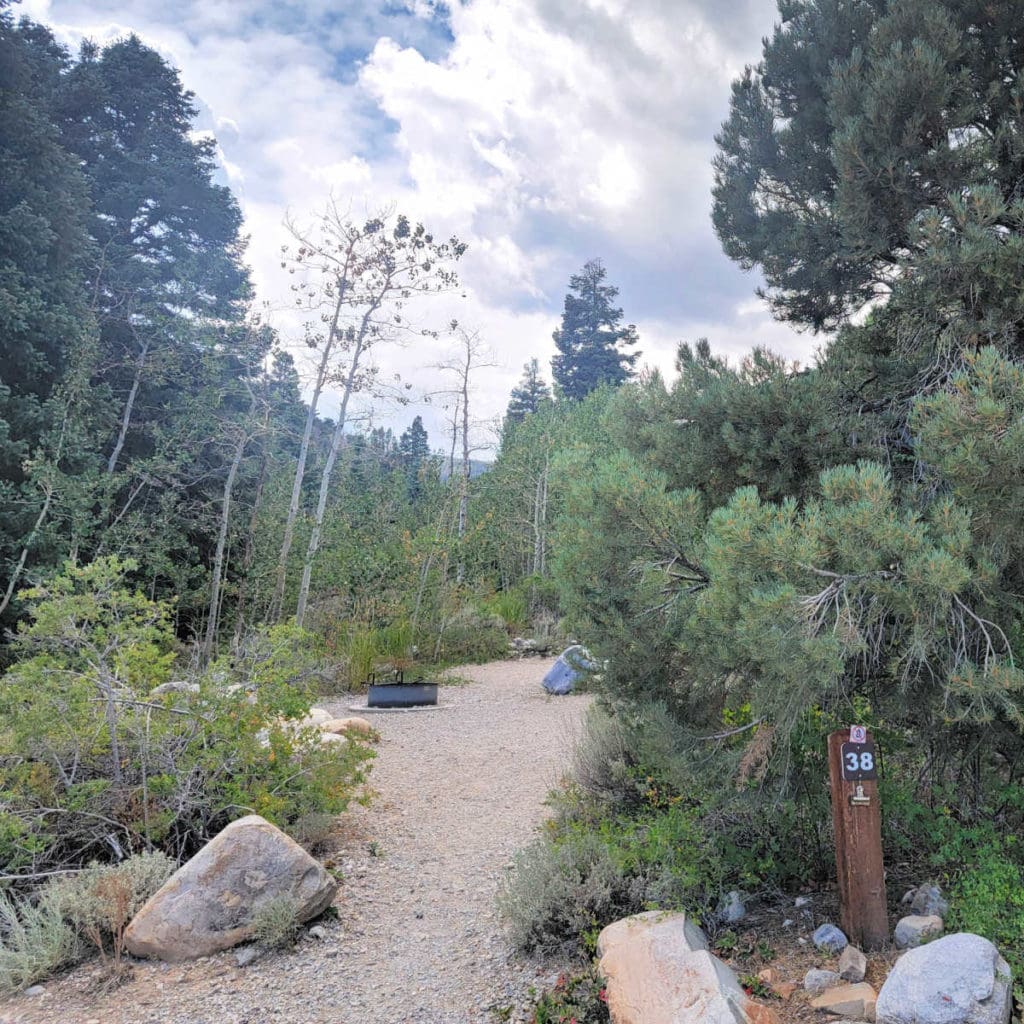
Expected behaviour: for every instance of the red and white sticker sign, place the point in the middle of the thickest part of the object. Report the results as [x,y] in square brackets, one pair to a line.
[858,734]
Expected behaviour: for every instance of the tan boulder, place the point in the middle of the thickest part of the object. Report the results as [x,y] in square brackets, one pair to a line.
[848,1001]
[208,904]
[658,970]
[343,725]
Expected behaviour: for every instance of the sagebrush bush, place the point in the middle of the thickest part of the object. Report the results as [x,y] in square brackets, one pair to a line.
[100,901]
[275,923]
[35,942]
[560,890]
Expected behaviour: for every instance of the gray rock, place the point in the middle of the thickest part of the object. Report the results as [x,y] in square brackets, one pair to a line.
[829,939]
[853,964]
[247,955]
[802,901]
[208,904]
[912,931]
[958,978]
[817,981]
[318,932]
[35,990]
[730,908]
[928,900]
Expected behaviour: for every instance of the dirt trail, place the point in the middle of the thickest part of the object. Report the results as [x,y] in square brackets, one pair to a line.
[459,790]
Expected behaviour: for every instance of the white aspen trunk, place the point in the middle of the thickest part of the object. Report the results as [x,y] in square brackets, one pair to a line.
[455,439]
[248,551]
[277,600]
[325,479]
[129,406]
[538,540]
[213,615]
[460,572]
[544,523]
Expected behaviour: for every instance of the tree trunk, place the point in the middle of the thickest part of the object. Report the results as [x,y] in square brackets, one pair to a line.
[50,487]
[249,549]
[213,616]
[129,406]
[277,600]
[460,572]
[325,479]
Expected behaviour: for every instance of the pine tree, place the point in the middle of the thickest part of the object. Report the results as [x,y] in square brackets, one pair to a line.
[859,119]
[592,340]
[528,395]
[414,446]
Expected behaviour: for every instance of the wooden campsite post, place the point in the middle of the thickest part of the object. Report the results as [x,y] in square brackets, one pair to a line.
[858,826]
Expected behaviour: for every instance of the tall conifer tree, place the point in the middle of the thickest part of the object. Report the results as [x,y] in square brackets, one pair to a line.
[593,344]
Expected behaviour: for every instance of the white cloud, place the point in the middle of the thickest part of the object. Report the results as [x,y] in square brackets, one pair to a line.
[543,132]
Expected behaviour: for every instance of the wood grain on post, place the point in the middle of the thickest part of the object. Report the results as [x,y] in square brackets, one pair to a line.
[859,866]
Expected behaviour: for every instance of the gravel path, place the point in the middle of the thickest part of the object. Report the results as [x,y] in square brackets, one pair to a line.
[416,940]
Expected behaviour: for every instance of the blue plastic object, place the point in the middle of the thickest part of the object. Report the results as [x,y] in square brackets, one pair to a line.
[572,663]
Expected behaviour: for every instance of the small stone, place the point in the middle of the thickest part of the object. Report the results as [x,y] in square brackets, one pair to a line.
[928,901]
[829,939]
[730,908]
[769,975]
[802,901]
[853,964]
[35,990]
[817,981]
[247,955]
[318,932]
[853,1000]
[914,930]
[785,989]
[788,923]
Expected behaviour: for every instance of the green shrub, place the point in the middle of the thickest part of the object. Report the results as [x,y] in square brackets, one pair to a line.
[360,652]
[987,898]
[511,606]
[35,942]
[468,636]
[92,762]
[579,998]
[276,922]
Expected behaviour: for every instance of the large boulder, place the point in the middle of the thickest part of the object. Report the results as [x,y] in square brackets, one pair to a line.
[208,904]
[958,979]
[659,971]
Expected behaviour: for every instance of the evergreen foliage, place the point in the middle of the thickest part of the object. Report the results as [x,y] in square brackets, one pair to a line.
[593,344]
[529,395]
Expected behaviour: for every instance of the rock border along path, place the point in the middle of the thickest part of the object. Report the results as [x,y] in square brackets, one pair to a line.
[416,939]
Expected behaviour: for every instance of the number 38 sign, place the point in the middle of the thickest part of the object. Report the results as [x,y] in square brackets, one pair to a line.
[859,761]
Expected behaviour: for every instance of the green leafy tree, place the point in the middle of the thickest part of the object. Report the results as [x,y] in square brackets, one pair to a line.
[593,343]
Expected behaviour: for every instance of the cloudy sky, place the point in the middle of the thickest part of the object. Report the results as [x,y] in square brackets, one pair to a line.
[542,132]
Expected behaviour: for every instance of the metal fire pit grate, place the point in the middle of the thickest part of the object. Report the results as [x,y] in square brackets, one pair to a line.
[397,693]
